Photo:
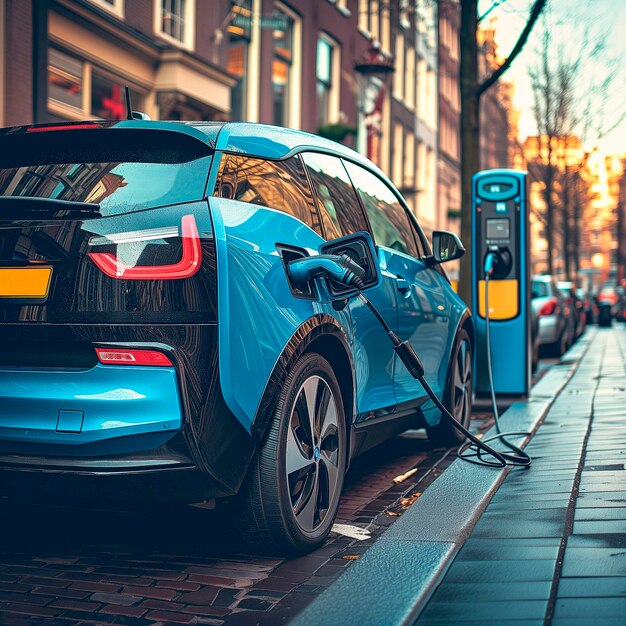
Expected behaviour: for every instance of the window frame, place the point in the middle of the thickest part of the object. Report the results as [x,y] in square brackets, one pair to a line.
[313,208]
[421,243]
[317,200]
[116,8]
[334,80]
[189,40]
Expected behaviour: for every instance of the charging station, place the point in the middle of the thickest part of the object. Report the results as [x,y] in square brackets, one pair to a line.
[500,226]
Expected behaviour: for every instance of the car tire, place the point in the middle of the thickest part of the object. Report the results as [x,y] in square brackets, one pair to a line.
[535,357]
[458,394]
[291,496]
[560,347]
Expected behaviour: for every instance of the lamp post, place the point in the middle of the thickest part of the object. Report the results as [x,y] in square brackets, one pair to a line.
[373,71]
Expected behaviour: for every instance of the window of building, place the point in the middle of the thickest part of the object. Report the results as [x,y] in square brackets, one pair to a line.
[283,88]
[409,82]
[398,154]
[114,6]
[240,32]
[78,89]
[337,202]
[327,80]
[369,19]
[398,75]
[362,17]
[388,219]
[279,185]
[175,21]
[65,78]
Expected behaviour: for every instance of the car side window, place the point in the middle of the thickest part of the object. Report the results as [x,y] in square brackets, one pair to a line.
[279,185]
[337,202]
[388,219]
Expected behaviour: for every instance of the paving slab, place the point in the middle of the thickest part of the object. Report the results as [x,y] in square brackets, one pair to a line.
[436,526]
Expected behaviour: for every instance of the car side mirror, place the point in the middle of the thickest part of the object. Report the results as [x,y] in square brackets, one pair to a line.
[446,247]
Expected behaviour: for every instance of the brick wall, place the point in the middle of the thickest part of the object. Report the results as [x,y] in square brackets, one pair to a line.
[19,65]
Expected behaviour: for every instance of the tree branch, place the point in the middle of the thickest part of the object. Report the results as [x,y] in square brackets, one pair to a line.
[517,48]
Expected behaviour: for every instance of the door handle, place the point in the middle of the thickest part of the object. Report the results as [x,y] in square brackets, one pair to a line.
[402,285]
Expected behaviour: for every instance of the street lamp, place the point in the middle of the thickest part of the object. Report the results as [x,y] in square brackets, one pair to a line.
[373,71]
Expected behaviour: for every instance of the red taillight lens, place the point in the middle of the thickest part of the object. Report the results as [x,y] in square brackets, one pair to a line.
[44,129]
[122,356]
[549,308]
[188,265]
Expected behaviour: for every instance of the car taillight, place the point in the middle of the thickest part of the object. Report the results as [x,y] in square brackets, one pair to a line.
[52,127]
[123,356]
[188,265]
[549,308]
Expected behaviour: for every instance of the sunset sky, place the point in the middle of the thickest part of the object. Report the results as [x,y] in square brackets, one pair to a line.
[605,20]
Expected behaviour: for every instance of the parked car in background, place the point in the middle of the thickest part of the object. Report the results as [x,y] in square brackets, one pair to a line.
[535,340]
[621,307]
[555,329]
[587,302]
[607,304]
[573,306]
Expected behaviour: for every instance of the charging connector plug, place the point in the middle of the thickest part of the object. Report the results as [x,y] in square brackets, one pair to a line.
[491,260]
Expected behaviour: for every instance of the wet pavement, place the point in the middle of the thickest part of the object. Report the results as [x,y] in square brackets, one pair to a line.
[550,548]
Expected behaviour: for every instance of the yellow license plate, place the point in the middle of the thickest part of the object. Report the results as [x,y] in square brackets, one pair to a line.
[25,283]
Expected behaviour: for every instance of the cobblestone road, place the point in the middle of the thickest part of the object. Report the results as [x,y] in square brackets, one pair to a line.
[173,566]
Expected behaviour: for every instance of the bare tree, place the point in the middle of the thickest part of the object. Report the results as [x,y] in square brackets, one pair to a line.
[471,90]
[568,105]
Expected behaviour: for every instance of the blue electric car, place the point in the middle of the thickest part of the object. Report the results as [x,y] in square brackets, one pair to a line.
[154,344]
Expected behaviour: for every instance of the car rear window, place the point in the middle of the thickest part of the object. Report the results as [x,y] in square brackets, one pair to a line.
[539,289]
[121,170]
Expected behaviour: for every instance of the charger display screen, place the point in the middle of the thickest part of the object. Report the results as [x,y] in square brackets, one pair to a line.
[499,228]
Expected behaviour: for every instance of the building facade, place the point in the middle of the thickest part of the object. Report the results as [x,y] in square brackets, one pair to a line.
[284,62]
[449,184]
[70,59]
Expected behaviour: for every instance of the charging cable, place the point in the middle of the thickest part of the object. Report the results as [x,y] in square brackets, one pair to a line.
[474,450]
[413,363]
[468,451]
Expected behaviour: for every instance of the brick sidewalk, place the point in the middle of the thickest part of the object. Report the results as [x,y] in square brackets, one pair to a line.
[550,547]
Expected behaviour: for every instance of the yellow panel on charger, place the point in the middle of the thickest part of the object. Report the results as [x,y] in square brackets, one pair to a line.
[503,299]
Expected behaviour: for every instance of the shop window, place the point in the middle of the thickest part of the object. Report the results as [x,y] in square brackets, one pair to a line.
[77,89]
[65,79]
[108,99]
[175,21]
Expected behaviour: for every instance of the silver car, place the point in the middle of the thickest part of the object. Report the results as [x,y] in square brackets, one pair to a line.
[555,330]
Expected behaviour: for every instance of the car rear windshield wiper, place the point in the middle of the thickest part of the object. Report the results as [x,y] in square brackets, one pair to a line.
[34,208]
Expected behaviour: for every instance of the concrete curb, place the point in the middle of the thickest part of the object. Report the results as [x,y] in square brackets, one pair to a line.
[395,578]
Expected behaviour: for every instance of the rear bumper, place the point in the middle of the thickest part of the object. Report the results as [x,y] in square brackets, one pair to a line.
[181,483]
[104,410]
[147,432]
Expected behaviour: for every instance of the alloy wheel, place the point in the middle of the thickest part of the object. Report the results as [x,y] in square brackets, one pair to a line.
[313,453]
[463,383]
